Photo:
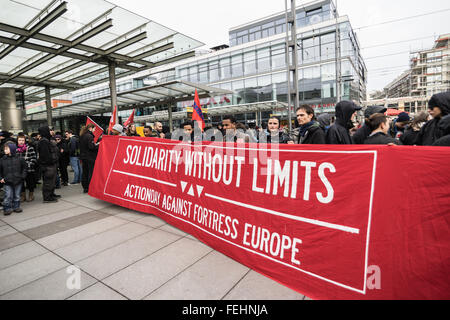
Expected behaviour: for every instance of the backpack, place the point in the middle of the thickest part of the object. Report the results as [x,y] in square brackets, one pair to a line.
[54,152]
[75,142]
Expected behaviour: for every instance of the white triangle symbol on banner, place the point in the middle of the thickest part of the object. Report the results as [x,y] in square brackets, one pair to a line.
[199,191]
[191,191]
[183,185]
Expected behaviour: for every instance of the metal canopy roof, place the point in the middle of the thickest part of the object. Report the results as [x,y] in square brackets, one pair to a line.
[68,45]
[159,94]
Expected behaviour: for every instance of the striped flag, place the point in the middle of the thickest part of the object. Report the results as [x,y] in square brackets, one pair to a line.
[197,114]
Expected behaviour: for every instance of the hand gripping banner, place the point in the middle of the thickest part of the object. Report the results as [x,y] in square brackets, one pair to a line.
[331,222]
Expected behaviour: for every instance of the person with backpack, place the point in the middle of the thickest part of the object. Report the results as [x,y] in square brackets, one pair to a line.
[74,156]
[48,161]
[13,170]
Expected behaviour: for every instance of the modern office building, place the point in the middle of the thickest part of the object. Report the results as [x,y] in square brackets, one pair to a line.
[253,66]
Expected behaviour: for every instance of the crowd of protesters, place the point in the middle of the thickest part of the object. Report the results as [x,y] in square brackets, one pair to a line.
[43,158]
[25,160]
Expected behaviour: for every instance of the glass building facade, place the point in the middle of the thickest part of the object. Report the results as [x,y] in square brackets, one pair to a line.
[254,66]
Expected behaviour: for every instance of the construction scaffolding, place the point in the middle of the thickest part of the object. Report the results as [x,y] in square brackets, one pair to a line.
[429,74]
[430,69]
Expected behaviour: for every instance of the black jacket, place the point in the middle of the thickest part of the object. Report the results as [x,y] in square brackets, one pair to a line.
[409,138]
[361,135]
[88,149]
[47,150]
[283,138]
[364,132]
[431,131]
[444,125]
[64,157]
[381,139]
[314,135]
[74,146]
[13,169]
[339,133]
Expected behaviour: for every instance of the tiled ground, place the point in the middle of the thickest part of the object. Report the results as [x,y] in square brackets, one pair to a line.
[122,254]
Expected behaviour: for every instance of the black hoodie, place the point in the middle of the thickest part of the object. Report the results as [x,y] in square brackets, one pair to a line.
[431,131]
[339,132]
[48,152]
[444,125]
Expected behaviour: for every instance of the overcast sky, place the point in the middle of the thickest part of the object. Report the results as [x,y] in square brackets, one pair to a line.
[209,21]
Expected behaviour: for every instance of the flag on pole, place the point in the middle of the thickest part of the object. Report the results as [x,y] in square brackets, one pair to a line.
[98,130]
[112,121]
[130,120]
[197,113]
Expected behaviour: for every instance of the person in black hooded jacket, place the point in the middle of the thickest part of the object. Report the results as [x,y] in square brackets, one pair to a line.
[364,132]
[339,132]
[444,125]
[439,107]
[48,162]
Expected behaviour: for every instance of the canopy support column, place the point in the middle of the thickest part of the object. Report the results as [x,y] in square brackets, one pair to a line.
[113,88]
[48,104]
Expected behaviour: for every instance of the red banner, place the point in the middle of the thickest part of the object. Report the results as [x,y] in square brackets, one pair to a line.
[331,222]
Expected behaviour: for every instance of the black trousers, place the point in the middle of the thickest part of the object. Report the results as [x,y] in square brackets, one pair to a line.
[29,182]
[63,172]
[48,181]
[88,170]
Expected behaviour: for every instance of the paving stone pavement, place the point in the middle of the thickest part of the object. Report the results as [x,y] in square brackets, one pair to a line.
[119,253]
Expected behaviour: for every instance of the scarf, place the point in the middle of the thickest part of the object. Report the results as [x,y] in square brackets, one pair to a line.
[304,129]
[22,149]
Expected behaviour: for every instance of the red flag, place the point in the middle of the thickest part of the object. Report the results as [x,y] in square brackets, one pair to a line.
[197,114]
[112,121]
[98,130]
[130,120]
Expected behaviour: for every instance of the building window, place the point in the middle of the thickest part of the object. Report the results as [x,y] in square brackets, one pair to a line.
[203,73]
[193,74]
[327,46]
[278,56]
[311,50]
[236,63]
[263,60]
[225,68]
[214,71]
[250,62]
